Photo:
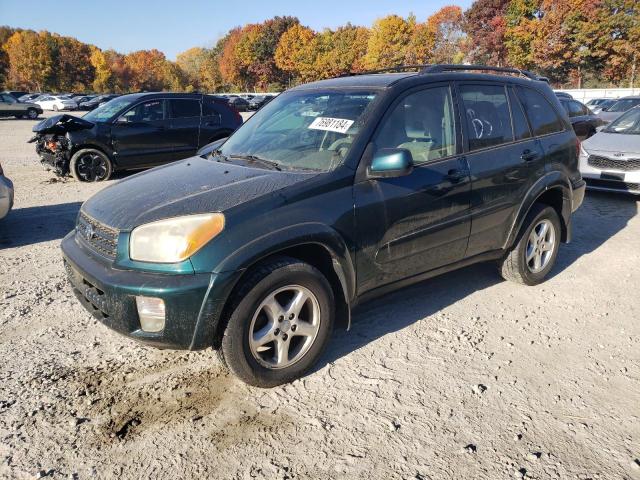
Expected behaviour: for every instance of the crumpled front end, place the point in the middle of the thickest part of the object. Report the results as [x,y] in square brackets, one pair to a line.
[54,151]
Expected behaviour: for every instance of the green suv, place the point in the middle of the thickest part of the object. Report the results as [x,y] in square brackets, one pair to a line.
[334,192]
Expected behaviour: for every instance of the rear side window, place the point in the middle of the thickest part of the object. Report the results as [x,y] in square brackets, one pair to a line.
[184,108]
[210,108]
[487,115]
[521,129]
[542,116]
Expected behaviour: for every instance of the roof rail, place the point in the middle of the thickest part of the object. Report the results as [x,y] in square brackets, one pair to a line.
[440,68]
[397,68]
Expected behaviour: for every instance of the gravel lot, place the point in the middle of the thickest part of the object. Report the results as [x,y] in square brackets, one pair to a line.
[462,376]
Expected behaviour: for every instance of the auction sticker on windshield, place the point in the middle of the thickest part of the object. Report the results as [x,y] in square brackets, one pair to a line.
[340,125]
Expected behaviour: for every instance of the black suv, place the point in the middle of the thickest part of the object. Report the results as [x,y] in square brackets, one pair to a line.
[133,132]
[334,192]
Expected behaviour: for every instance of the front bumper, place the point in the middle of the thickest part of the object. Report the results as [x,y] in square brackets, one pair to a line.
[193,302]
[611,179]
[6,196]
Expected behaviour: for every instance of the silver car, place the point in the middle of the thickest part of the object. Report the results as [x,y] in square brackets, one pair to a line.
[610,160]
[6,194]
[618,108]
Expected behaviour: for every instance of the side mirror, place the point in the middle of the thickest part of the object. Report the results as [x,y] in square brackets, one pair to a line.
[391,162]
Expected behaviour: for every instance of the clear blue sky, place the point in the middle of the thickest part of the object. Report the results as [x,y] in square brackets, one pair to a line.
[173,26]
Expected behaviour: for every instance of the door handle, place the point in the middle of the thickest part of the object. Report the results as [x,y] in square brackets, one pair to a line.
[456,175]
[528,156]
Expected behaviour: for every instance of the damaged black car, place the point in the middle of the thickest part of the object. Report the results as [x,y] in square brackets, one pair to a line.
[132,132]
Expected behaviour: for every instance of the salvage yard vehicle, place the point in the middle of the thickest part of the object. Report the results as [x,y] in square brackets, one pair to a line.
[610,160]
[584,122]
[136,131]
[96,101]
[56,103]
[10,107]
[6,194]
[334,192]
[618,108]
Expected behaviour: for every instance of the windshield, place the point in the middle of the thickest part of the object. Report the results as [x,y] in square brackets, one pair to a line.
[628,123]
[307,130]
[624,105]
[108,110]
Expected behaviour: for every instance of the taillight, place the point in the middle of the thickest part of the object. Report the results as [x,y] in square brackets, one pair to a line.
[578,145]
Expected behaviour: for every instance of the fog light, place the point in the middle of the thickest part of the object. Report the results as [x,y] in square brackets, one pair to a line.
[151,313]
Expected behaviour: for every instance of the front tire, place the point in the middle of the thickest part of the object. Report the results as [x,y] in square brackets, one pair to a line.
[280,321]
[90,165]
[32,113]
[536,248]
[55,108]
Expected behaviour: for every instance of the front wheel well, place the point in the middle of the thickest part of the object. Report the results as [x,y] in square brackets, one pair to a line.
[314,254]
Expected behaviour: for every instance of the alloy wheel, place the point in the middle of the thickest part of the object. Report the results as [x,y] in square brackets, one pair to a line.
[91,167]
[540,246]
[284,326]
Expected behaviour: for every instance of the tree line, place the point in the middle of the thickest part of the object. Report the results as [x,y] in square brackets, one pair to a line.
[578,43]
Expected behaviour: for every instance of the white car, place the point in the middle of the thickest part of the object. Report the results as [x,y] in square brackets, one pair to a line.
[610,160]
[56,103]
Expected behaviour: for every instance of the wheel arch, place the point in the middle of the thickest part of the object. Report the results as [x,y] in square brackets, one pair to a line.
[325,251]
[554,190]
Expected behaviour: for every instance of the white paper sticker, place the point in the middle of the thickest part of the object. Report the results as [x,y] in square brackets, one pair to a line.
[340,125]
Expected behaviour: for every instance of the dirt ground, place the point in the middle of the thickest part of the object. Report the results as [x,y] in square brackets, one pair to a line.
[462,376]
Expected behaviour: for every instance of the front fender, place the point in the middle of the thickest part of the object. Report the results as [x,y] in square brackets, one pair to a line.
[277,241]
[551,180]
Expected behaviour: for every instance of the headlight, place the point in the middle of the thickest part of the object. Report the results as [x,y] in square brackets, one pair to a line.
[174,239]
[583,152]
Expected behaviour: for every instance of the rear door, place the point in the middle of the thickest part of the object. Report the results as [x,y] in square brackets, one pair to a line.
[504,160]
[183,134]
[139,135]
[415,223]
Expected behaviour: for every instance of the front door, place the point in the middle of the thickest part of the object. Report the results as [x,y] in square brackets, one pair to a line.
[138,136]
[412,224]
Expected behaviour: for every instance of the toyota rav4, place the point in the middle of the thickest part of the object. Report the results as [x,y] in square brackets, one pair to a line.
[334,192]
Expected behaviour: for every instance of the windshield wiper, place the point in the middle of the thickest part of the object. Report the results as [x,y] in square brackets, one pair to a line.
[256,159]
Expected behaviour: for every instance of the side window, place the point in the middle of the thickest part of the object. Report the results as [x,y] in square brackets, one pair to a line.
[150,111]
[423,123]
[487,115]
[4,99]
[184,108]
[521,129]
[575,109]
[209,108]
[542,116]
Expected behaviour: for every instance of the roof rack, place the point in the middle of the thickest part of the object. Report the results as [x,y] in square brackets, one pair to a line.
[441,68]
[397,68]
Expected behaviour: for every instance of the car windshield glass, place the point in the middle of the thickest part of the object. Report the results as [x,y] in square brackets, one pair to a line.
[628,123]
[624,105]
[108,110]
[306,130]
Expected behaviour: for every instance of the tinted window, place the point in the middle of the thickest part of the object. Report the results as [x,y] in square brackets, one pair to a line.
[6,98]
[184,108]
[487,115]
[520,126]
[575,109]
[542,117]
[210,108]
[150,111]
[624,105]
[423,123]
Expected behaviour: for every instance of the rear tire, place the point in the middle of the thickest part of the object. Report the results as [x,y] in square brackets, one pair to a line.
[270,339]
[90,165]
[533,255]
[32,113]
[55,108]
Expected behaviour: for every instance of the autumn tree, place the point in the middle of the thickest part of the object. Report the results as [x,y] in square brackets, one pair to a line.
[148,70]
[5,33]
[296,53]
[73,68]
[485,23]
[230,67]
[388,42]
[446,27]
[31,60]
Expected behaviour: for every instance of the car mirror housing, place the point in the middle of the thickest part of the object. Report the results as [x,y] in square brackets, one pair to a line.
[391,162]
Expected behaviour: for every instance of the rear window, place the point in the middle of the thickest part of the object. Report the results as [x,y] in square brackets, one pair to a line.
[542,116]
[184,108]
[487,115]
[210,108]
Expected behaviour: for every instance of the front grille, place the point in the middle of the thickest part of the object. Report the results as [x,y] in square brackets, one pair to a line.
[609,163]
[97,236]
[594,182]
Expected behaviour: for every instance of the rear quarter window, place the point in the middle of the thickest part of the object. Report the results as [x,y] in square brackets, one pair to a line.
[542,116]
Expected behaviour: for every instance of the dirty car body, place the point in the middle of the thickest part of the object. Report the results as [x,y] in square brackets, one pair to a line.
[384,198]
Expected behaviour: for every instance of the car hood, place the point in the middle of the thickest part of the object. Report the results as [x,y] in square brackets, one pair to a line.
[194,185]
[60,124]
[604,142]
